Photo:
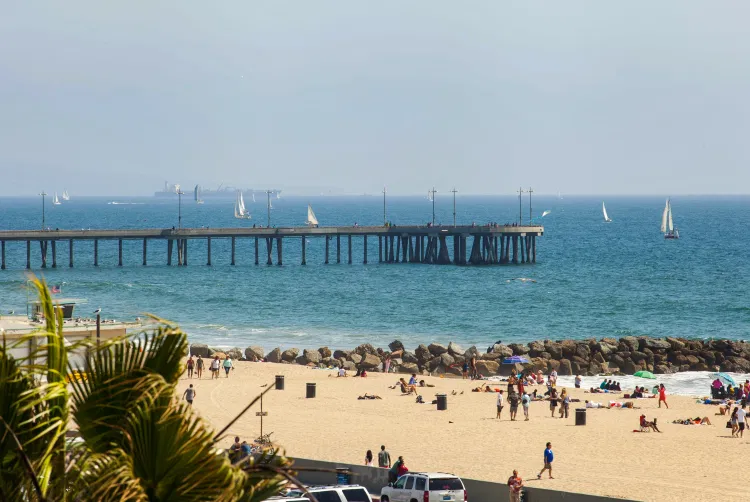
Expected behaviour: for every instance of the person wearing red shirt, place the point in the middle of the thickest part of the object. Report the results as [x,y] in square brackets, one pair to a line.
[515,483]
[663,395]
[402,469]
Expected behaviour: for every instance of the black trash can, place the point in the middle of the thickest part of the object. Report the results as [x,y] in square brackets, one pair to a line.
[343,476]
[310,391]
[442,402]
[279,382]
[580,416]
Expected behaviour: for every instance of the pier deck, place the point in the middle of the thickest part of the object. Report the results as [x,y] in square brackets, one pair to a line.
[404,244]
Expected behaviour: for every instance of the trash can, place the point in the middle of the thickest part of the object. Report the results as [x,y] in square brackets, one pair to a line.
[343,476]
[279,382]
[310,391]
[442,402]
[580,416]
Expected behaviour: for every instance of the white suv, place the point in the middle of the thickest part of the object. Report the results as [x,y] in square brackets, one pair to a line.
[335,493]
[425,487]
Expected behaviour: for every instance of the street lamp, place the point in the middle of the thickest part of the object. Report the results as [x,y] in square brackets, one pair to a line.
[268,205]
[530,192]
[454,205]
[385,221]
[180,193]
[521,191]
[433,192]
[98,313]
[43,194]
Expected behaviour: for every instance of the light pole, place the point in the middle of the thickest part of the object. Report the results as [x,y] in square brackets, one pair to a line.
[98,313]
[520,214]
[530,192]
[43,194]
[180,193]
[268,205]
[385,221]
[454,205]
[433,192]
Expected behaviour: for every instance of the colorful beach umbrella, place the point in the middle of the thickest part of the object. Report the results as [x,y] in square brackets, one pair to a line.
[515,359]
[645,374]
[727,379]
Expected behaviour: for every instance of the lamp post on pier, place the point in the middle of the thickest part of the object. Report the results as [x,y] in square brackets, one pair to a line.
[268,205]
[385,220]
[433,192]
[180,193]
[43,194]
[521,191]
[454,205]
[530,216]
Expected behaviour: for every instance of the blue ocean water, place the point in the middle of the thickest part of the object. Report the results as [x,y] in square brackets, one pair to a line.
[593,279]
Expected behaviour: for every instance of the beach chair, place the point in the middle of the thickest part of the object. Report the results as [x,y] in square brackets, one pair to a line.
[643,425]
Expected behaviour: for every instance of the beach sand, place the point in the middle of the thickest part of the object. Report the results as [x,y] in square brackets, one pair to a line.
[605,457]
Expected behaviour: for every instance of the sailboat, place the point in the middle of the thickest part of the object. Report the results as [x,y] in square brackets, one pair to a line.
[56,201]
[197,193]
[65,195]
[253,194]
[311,219]
[667,227]
[604,210]
[429,195]
[239,208]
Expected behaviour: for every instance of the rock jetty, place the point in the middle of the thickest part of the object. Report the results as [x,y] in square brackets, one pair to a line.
[569,357]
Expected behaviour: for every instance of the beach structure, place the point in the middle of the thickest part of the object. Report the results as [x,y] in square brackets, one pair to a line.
[471,244]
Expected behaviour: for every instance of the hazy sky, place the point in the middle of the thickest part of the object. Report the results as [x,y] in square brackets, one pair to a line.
[574,96]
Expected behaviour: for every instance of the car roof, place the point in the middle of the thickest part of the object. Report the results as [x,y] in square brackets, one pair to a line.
[327,487]
[433,474]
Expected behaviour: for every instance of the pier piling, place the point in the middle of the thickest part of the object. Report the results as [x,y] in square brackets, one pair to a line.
[233,250]
[304,260]
[278,251]
[328,240]
[208,251]
[338,248]
[119,252]
[256,250]
[184,252]
[54,254]
[170,245]
[28,255]
[96,252]
[43,248]
[365,251]
[350,248]
[380,249]
[2,267]
[70,253]
[145,252]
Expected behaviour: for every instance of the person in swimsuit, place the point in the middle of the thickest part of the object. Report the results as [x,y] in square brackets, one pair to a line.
[199,367]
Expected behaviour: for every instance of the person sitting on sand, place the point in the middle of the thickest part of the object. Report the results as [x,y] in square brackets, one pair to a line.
[645,424]
[603,385]
[407,388]
[342,372]
[592,404]
[363,374]
[539,377]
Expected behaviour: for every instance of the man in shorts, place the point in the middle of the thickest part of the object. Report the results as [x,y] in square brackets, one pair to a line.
[525,401]
[741,415]
[189,395]
[548,458]
[499,404]
[513,402]
[199,367]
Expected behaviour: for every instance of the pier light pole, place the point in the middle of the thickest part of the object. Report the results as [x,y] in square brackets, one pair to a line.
[454,205]
[180,193]
[521,191]
[530,216]
[385,220]
[433,192]
[43,194]
[268,205]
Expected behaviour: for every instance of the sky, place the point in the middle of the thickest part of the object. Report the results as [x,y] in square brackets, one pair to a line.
[345,97]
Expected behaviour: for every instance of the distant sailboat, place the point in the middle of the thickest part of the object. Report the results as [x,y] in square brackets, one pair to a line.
[546,213]
[311,219]
[65,195]
[429,195]
[253,194]
[239,208]
[56,201]
[667,226]
[197,193]
[604,210]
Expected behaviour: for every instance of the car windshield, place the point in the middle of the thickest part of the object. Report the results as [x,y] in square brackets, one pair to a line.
[322,496]
[356,495]
[445,484]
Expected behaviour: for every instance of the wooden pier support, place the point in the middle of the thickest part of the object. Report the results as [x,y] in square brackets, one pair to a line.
[349,238]
[398,249]
[170,245]
[54,254]
[179,252]
[43,246]
[208,252]
[28,255]
[338,248]
[269,249]
[119,252]
[328,241]
[523,257]
[234,251]
[184,252]
[411,249]
[2,267]
[380,249]
[256,251]
[533,249]
[96,252]
[364,260]
[304,241]
[145,252]
[279,241]
[515,249]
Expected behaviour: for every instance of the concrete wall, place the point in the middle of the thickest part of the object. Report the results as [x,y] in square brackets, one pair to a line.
[374,479]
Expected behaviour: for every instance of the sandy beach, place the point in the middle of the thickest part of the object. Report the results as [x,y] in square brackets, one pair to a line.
[605,457]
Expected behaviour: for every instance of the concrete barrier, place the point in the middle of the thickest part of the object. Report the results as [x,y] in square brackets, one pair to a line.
[374,478]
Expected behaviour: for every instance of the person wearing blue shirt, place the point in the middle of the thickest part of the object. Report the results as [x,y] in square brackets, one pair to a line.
[548,458]
[413,379]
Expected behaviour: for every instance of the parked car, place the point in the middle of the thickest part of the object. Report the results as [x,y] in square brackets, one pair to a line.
[335,493]
[425,487]
[282,498]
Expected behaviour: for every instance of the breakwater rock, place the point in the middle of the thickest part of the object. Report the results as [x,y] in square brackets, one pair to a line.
[569,357]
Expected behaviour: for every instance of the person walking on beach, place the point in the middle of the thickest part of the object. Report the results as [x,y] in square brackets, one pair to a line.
[384,458]
[228,365]
[564,404]
[368,458]
[525,400]
[190,366]
[499,404]
[215,367]
[189,395]
[513,402]
[515,483]
[199,367]
[548,458]
[578,381]
[552,401]
[663,395]
[741,414]
[733,422]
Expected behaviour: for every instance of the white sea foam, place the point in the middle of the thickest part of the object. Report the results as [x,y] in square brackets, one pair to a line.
[689,383]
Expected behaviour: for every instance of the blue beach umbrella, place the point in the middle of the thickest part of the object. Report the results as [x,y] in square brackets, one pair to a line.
[728,380]
[515,359]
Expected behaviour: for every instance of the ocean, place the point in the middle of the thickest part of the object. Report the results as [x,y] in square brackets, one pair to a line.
[592,279]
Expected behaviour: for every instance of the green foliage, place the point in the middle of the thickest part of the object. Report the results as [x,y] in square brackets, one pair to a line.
[138,443]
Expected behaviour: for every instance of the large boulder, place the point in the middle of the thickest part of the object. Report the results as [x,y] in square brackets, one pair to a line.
[565,367]
[568,348]
[341,354]
[408,368]
[290,355]
[657,344]
[366,348]
[583,350]
[502,350]
[220,355]
[508,369]
[309,357]
[487,368]
[631,342]
[355,358]
[519,349]
[454,349]
[370,362]
[472,352]
[436,349]
[554,349]
[408,357]
[324,352]
[199,349]
[349,366]
[235,353]
[274,356]
[446,360]
[536,348]
[423,354]
[396,345]
[254,353]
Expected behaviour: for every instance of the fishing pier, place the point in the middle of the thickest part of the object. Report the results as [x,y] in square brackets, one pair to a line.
[439,245]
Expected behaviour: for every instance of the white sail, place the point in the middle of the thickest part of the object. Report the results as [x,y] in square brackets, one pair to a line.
[56,201]
[197,193]
[65,195]
[253,194]
[546,213]
[664,217]
[669,217]
[236,212]
[604,210]
[311,219]
[242,204]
